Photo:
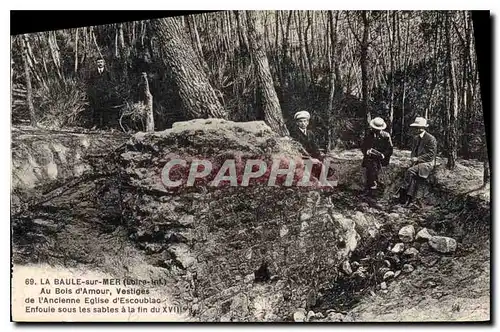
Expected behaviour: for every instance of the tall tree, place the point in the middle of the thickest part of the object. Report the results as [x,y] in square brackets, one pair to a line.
[197,95]
[364,63]
[270,103]
[335,80]
[452,107]
[29,91]
[391,32]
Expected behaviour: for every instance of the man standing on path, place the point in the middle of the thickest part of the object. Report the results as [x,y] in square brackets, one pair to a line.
[377,150]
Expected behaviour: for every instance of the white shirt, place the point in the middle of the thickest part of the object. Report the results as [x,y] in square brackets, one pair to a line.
[304,131]
[100,70]
[422,134]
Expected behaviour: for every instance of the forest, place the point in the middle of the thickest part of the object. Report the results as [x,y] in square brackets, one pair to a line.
[344,67]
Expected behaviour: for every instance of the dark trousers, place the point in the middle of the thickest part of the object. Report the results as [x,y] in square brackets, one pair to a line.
[372,171]
[410,181]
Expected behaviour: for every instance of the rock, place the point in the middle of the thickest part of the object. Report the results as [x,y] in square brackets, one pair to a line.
[387,263]
[411,253]
[407,233]
[367,225]
[320,315]
[397,273]
[303,226]
[225,318]
[186,220]
[388,275]
[360,274]
[49,225]
[182,254]
[423,235]
[239,304]
[380,255]
[335,317]
[398,248]
[354,265]
[305,216]
[249,278]
[393,216]
[310,315]
[383,285]
[365,259]
[209,315]
[408,268]
[300,315]
[346,267]
[394,259]
[383,270]
[283,231]
[443,244]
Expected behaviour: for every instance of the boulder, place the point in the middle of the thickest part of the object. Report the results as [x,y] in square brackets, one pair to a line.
[443,244]
[346,267]
[300,315]
[223,234]
[411,253]
[423,235]
[398,248]
[388,275]
[408,268]
[407,233]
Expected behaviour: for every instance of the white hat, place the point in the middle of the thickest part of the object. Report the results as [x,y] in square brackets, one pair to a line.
[302,115]
[419,122]
[378,123]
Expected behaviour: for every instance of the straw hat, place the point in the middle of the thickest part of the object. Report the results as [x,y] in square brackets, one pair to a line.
[420,122]
[378,123]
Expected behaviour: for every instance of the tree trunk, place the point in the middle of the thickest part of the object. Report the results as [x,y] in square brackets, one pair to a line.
[452,107]
[309,47]
[197,95]
[436,52]
[76,50]
[29,90]
[147,99]
[405,64]
[302,55]
[364,65]
[334,80]
[270,103]
[486,173]
[54,52]
[392,35]
[241,31]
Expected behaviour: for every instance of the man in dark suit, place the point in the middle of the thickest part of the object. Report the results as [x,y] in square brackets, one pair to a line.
[423,158]
[307,139]
[303,135]
[377,150]
[99,83]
